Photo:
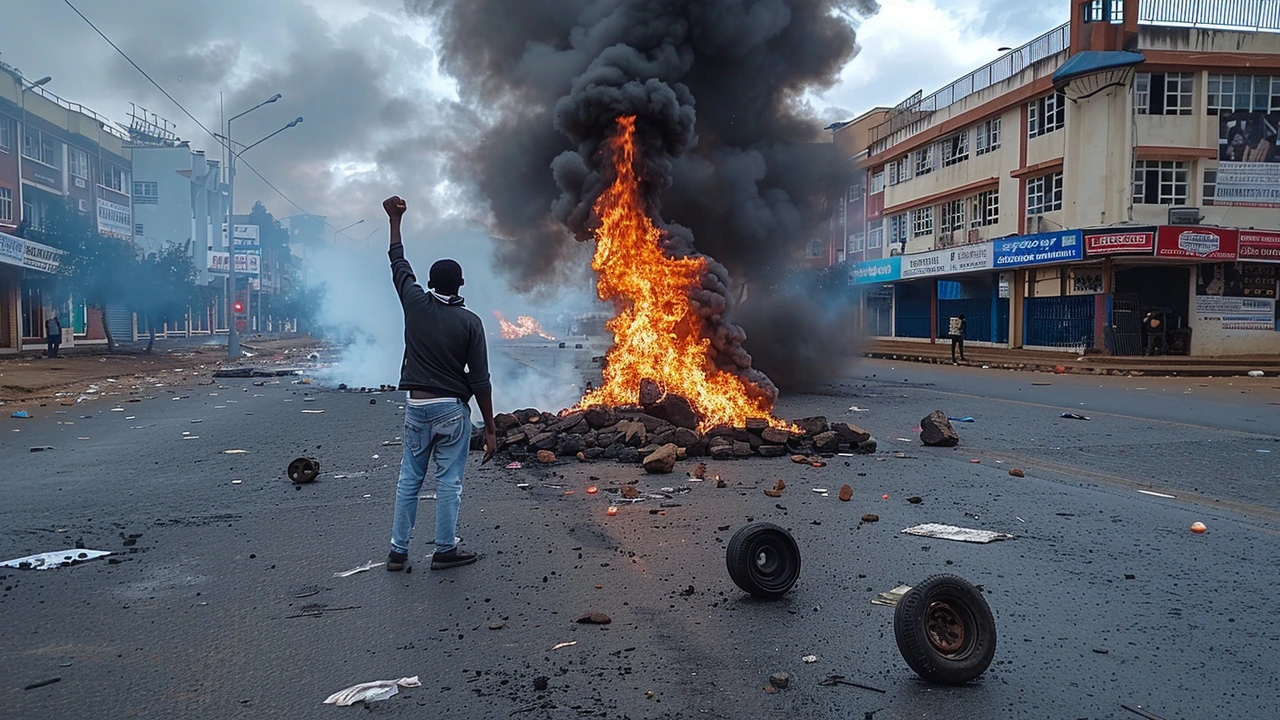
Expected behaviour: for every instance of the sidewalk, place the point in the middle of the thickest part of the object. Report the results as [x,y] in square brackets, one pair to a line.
[1044,361]
[31,377]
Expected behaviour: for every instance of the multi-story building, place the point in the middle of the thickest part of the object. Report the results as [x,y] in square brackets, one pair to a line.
[1122,164]
[55,151]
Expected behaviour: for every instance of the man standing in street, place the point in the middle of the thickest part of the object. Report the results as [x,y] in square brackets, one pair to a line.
[53,335]
[956,330]
[446,363]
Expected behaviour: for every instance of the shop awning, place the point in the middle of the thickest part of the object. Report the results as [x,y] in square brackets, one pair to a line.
[1095,61]
[29,254]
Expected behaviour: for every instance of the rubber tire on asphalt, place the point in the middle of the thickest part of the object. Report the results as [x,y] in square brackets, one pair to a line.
[955,597]
[303,470]
[764,560]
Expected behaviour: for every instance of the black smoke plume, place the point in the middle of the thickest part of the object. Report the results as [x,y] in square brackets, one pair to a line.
[730,150]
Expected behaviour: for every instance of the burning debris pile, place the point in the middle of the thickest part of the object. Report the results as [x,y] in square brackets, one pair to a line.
[661,429]
[523,327]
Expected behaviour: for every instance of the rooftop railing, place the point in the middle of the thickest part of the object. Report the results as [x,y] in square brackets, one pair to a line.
[107,126]
[1254,15]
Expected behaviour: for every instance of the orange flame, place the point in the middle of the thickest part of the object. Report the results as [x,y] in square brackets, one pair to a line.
[657,334]
[524,326]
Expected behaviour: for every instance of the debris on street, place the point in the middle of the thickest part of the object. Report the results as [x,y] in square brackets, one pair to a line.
[780,680]
[42,683]
[594,619]
[959,534]
[234,451]
[936,431]
[1158,494]
[1073,416]
[833,680]
[870,518]
[50,560]
[846,493]
[1017,472]
[809,659]
[363,568]
[961,419]
[776,490]
[916,500]
[371,691]
[21,415]
[561,646]
[892,597]
[1198,528]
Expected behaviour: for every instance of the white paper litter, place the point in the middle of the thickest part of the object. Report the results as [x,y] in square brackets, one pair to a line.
[371,691]
[951,532]
[367,566]
[1156,494]
[892,597]
[855,408]
[558,646]
[49,560]
[312,412]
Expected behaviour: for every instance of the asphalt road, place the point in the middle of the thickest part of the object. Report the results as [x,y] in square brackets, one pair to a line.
[226,604]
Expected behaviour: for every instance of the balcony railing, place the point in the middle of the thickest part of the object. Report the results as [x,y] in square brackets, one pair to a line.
[1255,15]
[106,124]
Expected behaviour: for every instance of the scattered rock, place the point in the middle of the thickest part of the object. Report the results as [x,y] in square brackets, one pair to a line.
[630,492]
[546,457]
[757,425]
[685,437]
[915,500]
[721,484]
[663,460]
[812,425]
[850,433]
[599,417]
[846,493]
[675,410]
[650,393]
[699,471]
[870,518]
[936,430]
[1017,472]
[775,436]
[780,680]
[827,442]
[497,625]
[540,683]
[595,619]
[722,452]
[771,451]
[800,459]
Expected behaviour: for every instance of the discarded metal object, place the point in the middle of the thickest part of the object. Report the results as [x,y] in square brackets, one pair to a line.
[834,680]
[42,683]
[303,469]
[371,691]
[951,532]
[50,560]
[763,560]
[892,597]
[363,568]
[945,630]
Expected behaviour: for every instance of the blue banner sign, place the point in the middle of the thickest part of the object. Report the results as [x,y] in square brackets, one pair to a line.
[870,272]
[1042,249]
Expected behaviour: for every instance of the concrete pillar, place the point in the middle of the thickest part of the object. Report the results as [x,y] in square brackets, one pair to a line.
[1017,294]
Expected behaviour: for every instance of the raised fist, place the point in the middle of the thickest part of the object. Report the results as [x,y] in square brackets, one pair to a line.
[395,206]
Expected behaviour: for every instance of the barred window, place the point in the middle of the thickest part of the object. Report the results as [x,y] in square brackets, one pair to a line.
[922,222]
[1210,186]
[898,228]
[1161,182]
[988,137]
[984,209]
[875,238]
[1243,93]
[1164,93]
[145,192]
[1046,115]
[926,159]
[955,149]
[953,216]
[1044,194]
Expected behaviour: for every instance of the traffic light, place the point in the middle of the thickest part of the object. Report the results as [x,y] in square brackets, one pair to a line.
[238,307]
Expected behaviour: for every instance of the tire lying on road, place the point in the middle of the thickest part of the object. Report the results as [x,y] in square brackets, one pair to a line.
[303,469]
[764,560]
[945,630]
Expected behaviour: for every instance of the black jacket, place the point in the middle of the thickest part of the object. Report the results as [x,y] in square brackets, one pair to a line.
[444,346]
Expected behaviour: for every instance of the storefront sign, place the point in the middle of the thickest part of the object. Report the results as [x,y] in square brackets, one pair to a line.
[1248,160]
[1259,246]
[246,236]
[115,220]
[1042,249]
[247,263]
[1258,280]
[11,249]
[1203,243]
[877,271]
[948,261]
[1235,313]
[1132,242]
[41,257]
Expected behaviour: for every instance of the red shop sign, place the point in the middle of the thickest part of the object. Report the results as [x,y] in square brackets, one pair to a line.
[1194,241]
[1121,243]
[1259,246]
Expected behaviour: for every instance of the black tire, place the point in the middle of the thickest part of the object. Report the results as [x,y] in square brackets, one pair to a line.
[764,560]
[945,630]
[303,470]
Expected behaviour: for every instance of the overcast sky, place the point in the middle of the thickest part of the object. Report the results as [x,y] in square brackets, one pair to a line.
[363,74]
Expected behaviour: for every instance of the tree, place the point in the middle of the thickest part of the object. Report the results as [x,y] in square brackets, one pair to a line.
[164,287]
[96,268]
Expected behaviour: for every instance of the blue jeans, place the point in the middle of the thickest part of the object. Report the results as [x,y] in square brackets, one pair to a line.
[438,434]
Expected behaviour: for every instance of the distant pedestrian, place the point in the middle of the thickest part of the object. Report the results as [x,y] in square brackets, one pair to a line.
[446,363]
[956,331]
[53,335]
[1154,328]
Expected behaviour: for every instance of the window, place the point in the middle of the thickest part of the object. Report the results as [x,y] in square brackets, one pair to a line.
[875,238]
[112,178]
[988,137]
[145,193]
[39,147]
[1244,93]
[816,248]
[952,216]
[78,163]
[900,170]
[955,149]
[1210,187]
[1044,194]
[1046,115]
[926,159]
[6,133]
[857,243]
[984,209]
[1107,11]
[1161,182]
[898,229]
[6,205]
[877,183]
[856,193]
[922,222]
[1163,93]
[138,229]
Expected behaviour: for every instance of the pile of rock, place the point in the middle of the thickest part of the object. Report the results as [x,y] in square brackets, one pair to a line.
[662,433]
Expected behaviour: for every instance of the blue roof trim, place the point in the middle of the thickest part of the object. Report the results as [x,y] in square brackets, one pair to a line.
[1092,61]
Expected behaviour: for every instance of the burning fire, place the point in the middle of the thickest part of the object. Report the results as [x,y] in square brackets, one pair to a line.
[657,334]
[524,326]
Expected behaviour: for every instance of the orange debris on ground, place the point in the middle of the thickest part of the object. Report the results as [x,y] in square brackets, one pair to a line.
[657,333]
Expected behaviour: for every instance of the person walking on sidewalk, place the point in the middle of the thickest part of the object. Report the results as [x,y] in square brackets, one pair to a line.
[446,363]
[53,335]
[958,326]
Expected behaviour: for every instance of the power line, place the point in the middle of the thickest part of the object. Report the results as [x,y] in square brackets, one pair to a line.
[179,105]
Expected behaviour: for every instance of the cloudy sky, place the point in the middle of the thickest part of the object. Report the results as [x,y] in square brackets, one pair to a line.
[364,75]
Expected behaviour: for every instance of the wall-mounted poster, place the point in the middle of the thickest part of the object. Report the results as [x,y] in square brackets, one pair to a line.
[1248,160]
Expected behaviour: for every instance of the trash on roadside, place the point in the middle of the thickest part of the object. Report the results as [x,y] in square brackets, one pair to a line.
[855,408]
[611,510]
[870,518]
[562,645]
[515,465]
[371,691]
[594,619]
[961,419]
[392,443]
[809,659]
[776,490]
[1072,416]
[1256,373]
[1017,472]
[363,568]
[21,415]
[41,448]
[891,598]
[915,500]
[833,680]
[50,560]
[959,534]
[234,451]
[312,412]
[1198,528]
[820,491]
[1157,494]
[42,683]
[1041,384]
[1141,713]
[303,469]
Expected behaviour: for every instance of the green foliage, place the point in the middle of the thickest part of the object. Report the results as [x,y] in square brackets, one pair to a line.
[165,285]
[95,268]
